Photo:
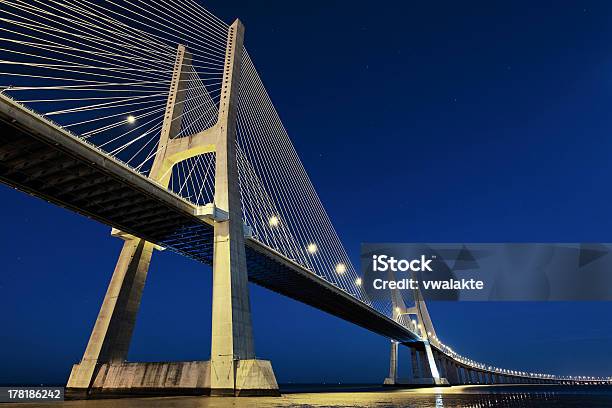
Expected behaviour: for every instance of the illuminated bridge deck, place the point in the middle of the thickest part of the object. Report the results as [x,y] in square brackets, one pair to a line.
[44,160]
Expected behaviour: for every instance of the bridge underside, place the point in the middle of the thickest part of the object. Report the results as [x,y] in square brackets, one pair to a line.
[90,185]
[44,160]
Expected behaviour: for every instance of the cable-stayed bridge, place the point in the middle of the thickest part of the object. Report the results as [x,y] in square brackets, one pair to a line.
[151,117]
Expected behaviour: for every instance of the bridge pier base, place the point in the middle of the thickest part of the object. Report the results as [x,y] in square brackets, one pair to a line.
[174,378]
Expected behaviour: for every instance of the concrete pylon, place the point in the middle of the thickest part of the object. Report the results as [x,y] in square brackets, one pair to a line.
[392,378]
[414,361]
[112,333]
[427,333]
[426,370]
[393,355]
[110,338]
[232,369]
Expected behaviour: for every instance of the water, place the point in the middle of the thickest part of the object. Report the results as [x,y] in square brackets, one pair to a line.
[504,396]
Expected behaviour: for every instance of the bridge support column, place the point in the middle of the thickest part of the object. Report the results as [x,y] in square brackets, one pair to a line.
[438,358]
[233,367]
[110,338]
[453,377]
[414,360]
[424,366]
[451,371]
[431,369]
[392,378]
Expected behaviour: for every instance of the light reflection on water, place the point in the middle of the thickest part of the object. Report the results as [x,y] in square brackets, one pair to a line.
[454,397]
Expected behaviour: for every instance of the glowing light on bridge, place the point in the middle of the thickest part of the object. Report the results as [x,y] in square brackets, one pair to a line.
[131,119]
[358,281]
[274,221]
[312,248]
[340,268]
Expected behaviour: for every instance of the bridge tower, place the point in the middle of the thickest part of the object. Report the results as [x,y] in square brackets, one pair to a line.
[425,369]
[428,367]
[233,369]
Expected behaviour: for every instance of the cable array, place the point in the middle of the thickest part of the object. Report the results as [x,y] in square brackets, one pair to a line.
[103,69]
[279,201]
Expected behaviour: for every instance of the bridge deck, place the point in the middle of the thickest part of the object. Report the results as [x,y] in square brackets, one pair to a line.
[44,160]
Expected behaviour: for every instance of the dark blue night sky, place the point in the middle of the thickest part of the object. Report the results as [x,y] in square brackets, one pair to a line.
[448,122]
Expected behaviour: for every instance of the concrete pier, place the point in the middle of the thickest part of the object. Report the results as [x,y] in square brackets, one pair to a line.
[392,378]
[110,338]
[171,378]
[421,375]
[233,369]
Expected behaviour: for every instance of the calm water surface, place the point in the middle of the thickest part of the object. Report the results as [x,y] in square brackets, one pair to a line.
[375,396]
